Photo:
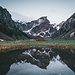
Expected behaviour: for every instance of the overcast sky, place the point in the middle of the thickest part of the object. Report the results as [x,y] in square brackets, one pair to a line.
[55,10]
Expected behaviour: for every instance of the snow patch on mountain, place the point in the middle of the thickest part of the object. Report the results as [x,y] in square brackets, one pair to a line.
[40,27]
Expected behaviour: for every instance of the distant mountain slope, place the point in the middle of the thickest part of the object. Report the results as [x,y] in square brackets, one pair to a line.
[67,29]
[8,28]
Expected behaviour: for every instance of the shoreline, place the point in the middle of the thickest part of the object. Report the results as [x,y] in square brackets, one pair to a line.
[12,46]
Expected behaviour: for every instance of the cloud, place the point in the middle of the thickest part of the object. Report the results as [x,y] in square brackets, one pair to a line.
[17,16]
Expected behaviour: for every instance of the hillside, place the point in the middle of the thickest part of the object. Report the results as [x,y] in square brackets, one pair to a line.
[40,27]
[8,29]
[67,29]
[4,36]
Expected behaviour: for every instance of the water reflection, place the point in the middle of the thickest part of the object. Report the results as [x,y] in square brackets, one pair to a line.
[39,59]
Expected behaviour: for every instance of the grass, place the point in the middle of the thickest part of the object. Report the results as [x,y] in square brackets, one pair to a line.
[4,36]
[13,45]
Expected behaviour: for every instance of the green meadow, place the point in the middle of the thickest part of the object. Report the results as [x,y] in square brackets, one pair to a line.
[22,44]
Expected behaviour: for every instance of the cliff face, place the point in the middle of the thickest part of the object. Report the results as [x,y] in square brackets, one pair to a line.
[67,29]
[40,27]
[69,24]
[8,28]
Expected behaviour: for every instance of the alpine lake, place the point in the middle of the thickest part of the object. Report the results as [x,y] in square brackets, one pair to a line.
[38,61]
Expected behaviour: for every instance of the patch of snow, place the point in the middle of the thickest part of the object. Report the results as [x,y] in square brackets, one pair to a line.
[57,27]
[40,21]
[34,50]
[28,31]
[72,34]
[1,40]
[34,34]
[58,57]
[44,51]
[28,53]
[41,35]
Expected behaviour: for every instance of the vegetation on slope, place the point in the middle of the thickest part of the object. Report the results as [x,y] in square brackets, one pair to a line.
[7,27]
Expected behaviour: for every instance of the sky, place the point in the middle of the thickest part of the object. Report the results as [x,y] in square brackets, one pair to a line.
[55,10]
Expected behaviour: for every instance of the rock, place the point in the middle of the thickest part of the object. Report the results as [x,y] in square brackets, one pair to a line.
[66,28]
[8,28]
[40,27]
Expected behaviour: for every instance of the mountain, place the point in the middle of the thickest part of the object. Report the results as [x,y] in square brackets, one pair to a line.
[8,30]
[60,25]
[67,29]
[36,29]
[40,27]
[16,16]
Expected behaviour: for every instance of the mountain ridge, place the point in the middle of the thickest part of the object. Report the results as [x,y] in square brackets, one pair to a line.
[40,27]
[66,29]
[31,30]
[7,26]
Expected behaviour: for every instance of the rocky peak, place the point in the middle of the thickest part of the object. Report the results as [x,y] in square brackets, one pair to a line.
[44,17]
[5,17]
[40,27]
[66,28]
[4,14]
[73,16]
[43,20]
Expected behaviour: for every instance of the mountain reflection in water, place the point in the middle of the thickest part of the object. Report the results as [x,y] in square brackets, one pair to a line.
[54,61]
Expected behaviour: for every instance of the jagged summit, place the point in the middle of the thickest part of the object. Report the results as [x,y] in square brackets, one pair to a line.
[39,27]
[67,29]
[73,16]
[44,17]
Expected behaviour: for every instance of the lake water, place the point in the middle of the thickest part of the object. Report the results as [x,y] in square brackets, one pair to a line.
[38,61]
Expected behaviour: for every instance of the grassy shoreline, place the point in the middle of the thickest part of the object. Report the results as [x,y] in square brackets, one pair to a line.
[14,45]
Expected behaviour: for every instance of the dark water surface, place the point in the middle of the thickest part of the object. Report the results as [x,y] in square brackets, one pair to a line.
[38,61]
